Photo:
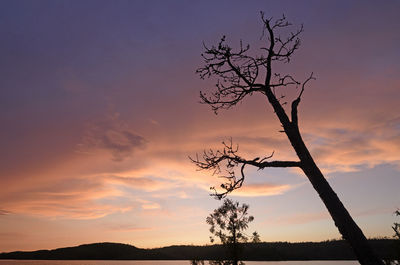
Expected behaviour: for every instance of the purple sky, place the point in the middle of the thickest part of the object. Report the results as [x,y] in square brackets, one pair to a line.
[99,112]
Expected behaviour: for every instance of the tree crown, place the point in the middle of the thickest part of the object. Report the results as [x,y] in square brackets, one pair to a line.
[240,74]
[229,221]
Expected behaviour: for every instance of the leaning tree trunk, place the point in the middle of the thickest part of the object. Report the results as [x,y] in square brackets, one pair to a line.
[239,73]
[344,222]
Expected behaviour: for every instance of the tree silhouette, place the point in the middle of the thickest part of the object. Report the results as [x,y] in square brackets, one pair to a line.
[396,226]
[228,223]
[255,238]
[396,229]
[240,74]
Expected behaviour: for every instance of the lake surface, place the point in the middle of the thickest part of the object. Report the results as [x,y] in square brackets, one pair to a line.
[164,262]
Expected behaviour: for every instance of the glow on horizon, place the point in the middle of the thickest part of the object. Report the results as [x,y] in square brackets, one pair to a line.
[100,113]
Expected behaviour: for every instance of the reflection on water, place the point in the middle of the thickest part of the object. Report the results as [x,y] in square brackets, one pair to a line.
[166,262]
[216,262]
[304,262]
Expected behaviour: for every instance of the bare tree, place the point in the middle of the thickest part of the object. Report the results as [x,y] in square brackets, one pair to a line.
[239,74]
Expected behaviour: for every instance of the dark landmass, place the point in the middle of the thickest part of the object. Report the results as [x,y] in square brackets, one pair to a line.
[327,250]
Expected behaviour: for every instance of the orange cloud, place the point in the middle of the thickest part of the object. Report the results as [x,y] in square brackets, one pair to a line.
[157,161]
[127,228]
[141,182]
[252,190]
[151,206]
[69,198]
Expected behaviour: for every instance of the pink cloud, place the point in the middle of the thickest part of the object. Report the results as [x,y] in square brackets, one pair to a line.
[113,135]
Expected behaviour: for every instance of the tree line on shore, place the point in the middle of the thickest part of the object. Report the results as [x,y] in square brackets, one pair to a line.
[327,250]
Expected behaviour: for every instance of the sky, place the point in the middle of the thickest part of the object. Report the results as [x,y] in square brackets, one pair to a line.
[99,111]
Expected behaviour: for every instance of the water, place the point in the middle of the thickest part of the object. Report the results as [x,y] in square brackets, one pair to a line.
[163,262]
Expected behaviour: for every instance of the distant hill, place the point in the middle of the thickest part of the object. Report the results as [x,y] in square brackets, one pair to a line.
[96,251]
[327,250]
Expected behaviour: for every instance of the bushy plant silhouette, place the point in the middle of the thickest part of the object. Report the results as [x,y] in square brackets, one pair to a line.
[228,223]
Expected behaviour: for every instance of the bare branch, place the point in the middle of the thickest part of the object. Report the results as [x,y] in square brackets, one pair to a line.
[229,158]
[236,74]
[286,80]
[286,47]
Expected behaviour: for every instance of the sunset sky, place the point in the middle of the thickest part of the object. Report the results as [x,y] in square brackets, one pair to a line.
[99,111]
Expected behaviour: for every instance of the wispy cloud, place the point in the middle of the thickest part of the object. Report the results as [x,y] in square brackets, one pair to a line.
[70,198]
[150,205]
[252,190]
[348,149]
[142,182]
[113,135]
[127,228]
[4,212]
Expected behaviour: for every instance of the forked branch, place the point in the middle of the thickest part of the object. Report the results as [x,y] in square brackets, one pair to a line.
[296,102]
